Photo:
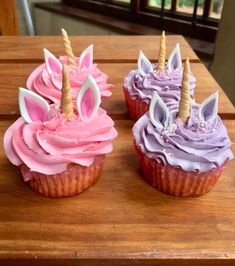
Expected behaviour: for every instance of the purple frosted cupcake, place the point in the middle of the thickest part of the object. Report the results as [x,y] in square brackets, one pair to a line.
[184,153]
[163,78]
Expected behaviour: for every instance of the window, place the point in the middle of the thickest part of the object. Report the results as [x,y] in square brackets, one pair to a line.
[123,1]
[216,9]
[185,6]
[158,4]
[195,18]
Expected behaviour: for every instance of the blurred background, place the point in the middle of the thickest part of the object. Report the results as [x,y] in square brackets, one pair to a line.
[208,25]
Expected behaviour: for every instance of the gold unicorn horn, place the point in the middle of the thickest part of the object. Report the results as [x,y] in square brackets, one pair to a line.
[66,98]
[184,104]
[162,53]
[68,48]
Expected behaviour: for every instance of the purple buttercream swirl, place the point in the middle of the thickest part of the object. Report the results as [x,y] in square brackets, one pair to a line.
[167,84]
[196,146]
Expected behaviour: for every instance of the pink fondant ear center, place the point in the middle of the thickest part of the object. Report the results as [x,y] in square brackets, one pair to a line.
[54,65]
[86,60]
[36,111]
[88,103]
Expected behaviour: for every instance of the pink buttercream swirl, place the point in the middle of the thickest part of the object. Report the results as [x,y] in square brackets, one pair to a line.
[49,147]
[49,85]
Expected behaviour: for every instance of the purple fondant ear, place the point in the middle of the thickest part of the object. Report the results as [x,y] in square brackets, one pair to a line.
[158,112]
[174,60]
[86,57]
[33,108]
[52,63]
[209,108]
[144,65]
[88,98]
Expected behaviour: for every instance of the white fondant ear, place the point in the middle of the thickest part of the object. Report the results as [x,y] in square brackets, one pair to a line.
[88,98]
[33,108]
[144,65]
[208,109]
[158,112]
[175,60]
[52,63]
[86,57]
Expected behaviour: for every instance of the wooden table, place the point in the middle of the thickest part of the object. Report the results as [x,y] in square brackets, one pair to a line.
[117,49]
[121,220]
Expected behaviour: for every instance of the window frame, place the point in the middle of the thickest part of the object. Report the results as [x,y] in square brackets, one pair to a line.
[201,27]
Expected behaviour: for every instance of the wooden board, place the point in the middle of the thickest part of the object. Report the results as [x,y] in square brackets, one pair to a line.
[111,49]
[15,75]
[119,221]
[8,18]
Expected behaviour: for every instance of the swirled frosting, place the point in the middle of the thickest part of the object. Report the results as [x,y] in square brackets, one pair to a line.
[49,85]
[195,146]
[167,84]
[49,147]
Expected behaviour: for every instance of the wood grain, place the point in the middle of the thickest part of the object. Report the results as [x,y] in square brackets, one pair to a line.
[15,75]
[8,18]
[119,221]
[106,49]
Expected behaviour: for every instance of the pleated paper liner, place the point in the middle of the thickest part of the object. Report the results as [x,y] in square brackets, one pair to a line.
[73,181]
[136,108]
[175,181]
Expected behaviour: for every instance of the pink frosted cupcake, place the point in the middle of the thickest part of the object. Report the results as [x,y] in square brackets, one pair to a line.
[60,150]
[182,154]
[163,78]
[46,80]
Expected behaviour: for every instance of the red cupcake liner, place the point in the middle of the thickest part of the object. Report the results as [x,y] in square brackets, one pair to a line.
[136,108]
[175,181]
[73,181]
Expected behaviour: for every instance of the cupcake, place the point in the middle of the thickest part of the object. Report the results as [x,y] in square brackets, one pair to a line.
[46,80]
[184,153]
[60,149]
[163,78]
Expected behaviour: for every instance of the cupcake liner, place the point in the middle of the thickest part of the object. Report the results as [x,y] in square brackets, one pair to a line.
[175,181]
[73,181]
[136,108]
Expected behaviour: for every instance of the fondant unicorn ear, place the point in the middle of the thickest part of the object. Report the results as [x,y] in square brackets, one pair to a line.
[86,57]
[88,98]
[174,60]
[158,112]
[52,63]
[144,65]
[208,109]
[33,108]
